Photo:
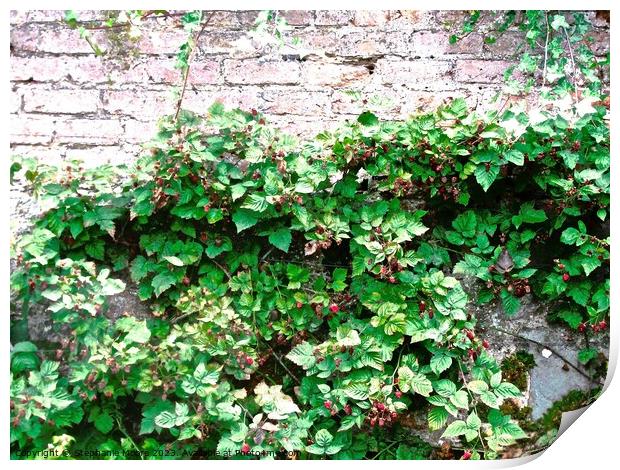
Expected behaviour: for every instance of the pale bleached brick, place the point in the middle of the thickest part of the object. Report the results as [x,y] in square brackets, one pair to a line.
[480,71]
[29,129]
[256,72]
[88,131]
[303,103]
[63,101]
[145,105]
[334,75]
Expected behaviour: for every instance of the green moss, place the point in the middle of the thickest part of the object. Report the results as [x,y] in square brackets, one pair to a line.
[573,400]
[516,367]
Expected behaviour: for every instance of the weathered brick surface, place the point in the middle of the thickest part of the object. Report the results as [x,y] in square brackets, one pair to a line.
[67,103]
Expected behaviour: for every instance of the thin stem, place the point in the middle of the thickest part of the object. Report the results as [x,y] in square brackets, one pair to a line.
[572,58]
[546,51]
[189,60]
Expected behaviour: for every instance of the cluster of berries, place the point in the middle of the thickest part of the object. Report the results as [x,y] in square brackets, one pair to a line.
[380,415]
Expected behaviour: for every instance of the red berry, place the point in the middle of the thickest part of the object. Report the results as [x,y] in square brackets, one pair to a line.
[398,393]
[334,308]
[327,404]
[581,327]
[470,335]
[485,344]
[392,279]
[467,455]
[299,305]
[565,277]
[245,448]
[602,324]
[347,409]
[380,406]
[186,281]
[422,306]
[249,361]
[381,422]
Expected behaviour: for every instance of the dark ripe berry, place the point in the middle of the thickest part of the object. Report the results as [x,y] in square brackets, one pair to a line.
[561,266]
[485,344]
[602,324]
[203,236]
[467,455]
[470,335]
[378,230]
[193,178]
[430,314]
[380,406]
[347,409]
[595,328]
[218,242]
[394,415]
[491,268]
[245,448]
[186,281]
[334,308]
[299,304]
[398,393]
[373,421]
[206,207]
[249,361]
[327,404]
[565,277]
[422,306]
[581,327]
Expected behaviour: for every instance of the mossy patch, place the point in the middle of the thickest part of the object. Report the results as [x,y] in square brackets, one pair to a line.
[516,367]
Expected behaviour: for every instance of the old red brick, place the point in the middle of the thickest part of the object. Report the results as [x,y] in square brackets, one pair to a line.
[333,17]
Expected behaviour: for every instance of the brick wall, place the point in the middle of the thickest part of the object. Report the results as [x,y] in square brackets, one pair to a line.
[68,103]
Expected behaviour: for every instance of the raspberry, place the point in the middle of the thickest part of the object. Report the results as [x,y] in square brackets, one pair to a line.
[485,344]
[565,277]
[299,305]
[467,455]
[380,406]
[334,308]
[249,361]
[581,327]
[602,324]
[398,394]
[327,404]
[422,306]
[470,335]
[245,448]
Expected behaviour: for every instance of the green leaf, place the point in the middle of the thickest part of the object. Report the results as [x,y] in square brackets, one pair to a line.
[302,355]
[455,429]
[510,303]
[173,260]
[515,156]
[104,423]
[440,363]
[368,119]
[586,355]
[421,385]
[244,219]
[484,177]
[281,239]
[166,419]
[162,282]
[570,236]
[437,418]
